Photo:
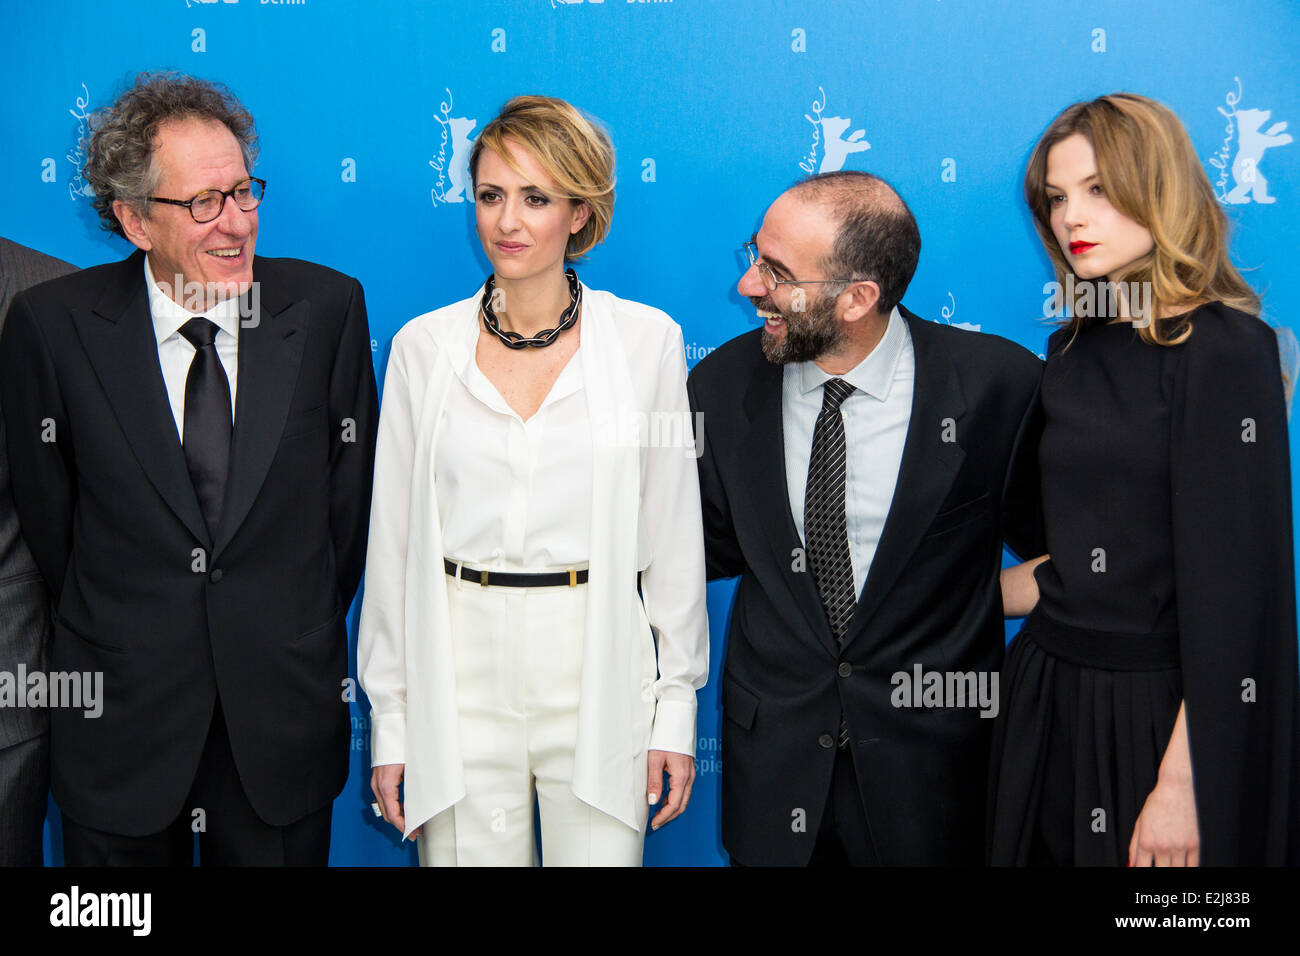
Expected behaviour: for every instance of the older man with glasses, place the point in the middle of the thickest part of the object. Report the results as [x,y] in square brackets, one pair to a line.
[191,435]
[860,470]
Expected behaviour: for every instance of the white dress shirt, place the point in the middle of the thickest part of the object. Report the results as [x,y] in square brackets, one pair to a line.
[175,352]
[515,494]
[875,416]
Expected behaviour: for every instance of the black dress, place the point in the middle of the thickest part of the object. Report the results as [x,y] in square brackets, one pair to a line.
[1167,505]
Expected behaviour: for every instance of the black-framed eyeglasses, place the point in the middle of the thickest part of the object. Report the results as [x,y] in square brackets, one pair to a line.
[770,281]
[208,205]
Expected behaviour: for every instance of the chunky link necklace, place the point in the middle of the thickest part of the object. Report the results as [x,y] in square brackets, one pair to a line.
[516,341]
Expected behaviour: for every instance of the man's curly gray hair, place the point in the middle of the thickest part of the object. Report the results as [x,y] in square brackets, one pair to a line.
[119,148]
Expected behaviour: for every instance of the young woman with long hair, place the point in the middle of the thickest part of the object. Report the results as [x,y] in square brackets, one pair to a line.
[1149,702]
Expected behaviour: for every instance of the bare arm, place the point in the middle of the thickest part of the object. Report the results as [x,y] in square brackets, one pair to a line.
[1019,589]
[1166,832]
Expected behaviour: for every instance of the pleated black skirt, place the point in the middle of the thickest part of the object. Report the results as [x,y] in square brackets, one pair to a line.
[1083,722]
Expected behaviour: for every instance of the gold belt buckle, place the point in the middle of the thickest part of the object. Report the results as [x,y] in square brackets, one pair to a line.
[483,578]
[573,578]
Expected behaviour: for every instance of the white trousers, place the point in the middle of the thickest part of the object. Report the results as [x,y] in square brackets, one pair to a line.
[518,655]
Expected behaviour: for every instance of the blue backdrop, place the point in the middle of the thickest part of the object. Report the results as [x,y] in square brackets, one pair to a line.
[366,110]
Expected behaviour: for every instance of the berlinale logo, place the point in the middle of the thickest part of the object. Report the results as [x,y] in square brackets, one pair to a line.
[453,169]
[1244,128]
[828,138]
[77,185]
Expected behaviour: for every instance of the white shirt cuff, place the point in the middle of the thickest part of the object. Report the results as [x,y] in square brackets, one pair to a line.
[674,728]
[387,739]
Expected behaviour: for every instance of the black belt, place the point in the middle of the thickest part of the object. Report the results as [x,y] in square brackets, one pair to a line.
[517,579]
[1103,650]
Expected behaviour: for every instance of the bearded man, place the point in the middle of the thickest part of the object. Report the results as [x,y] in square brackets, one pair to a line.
[860,471]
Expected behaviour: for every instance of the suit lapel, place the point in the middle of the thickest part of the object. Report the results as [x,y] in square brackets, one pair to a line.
[926,472]
[7,268]
[770,495]
[118,336]
[271,345]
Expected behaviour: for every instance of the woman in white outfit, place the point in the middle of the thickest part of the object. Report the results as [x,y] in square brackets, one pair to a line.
[536,511]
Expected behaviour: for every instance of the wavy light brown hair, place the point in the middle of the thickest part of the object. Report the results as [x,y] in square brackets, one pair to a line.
[1152,175]
[573,149]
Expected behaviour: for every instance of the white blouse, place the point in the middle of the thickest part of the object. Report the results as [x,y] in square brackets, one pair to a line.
[515,494]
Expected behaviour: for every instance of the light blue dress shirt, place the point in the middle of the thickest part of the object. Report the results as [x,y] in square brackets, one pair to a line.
[876,417]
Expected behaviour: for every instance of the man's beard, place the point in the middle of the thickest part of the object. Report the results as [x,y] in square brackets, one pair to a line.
[809,334]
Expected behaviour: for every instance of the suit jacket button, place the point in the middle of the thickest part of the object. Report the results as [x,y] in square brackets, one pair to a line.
[827,741]
[215,576]
[845,669]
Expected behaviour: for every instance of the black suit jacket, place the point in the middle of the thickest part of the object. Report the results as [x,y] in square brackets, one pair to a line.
[171,618]
[24,602]
[932,598]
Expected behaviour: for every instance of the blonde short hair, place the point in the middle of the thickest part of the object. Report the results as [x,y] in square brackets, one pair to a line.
[573,149]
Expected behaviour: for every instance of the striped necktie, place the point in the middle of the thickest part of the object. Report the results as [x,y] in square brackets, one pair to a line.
[825,527]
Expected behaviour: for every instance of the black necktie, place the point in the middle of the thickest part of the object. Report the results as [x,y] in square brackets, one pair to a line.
[207,420]
[825,527]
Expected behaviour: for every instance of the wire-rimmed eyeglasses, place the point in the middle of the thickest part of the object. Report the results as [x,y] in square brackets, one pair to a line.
[770,281]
